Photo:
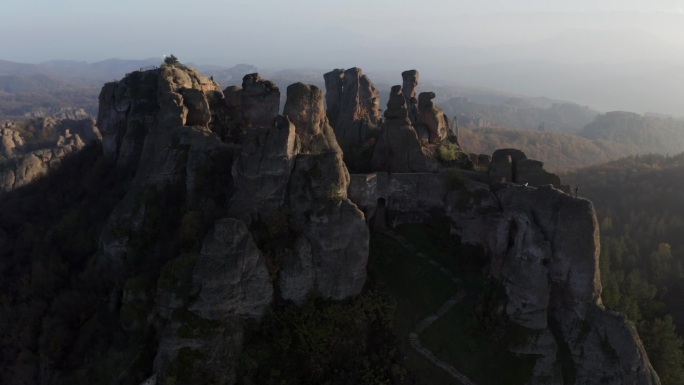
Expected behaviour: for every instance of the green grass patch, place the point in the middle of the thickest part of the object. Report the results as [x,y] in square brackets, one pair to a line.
[458,340]
[471,337]
[419,287]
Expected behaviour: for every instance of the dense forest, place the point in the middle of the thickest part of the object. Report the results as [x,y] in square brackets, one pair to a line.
[641,215]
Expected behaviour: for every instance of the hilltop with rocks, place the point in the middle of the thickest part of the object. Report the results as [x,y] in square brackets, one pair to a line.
[231,211]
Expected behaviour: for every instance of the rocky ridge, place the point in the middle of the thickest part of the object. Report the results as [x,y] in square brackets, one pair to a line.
[231,207]
[287,175]
[284,180]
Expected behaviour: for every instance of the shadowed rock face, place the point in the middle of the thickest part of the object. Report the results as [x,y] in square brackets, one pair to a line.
[543,248]
[398,148]
[335,261]
[231,274]
[353,105]
[233,99]
[262,170]
[305,108]
[334,81]
[163,98]
[159,123]
[260,101]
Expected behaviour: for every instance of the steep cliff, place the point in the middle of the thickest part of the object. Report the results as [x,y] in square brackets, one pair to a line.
[271,210]
[542,249]
[226,213]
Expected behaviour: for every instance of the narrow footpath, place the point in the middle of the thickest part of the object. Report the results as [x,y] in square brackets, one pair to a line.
[425,323]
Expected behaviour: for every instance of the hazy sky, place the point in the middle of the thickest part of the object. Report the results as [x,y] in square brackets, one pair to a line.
[610,54]
[257,31]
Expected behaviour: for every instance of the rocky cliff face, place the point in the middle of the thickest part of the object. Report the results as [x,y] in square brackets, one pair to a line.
[398,148]
[353,106]
[230,206]
[270,205]
[543,249]
[31,149]
[432,118]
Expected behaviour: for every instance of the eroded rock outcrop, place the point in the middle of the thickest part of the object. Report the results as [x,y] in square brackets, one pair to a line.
[353,106]
[262,170]
[162,98]
[543,248]
[433,118]
[282,188]
[546,254]
[260,100]
[231,274]
[328,261]
[49,141]
[410,83]
[305,108]
[398,148]
[512,165]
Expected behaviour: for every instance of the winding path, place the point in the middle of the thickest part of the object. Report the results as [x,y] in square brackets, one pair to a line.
[425,323]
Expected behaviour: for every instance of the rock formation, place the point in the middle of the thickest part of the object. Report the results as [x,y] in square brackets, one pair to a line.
[282,168]
[262,170]
[512,165]
[305,108]
[10,140]
[543,248]
[353,106]
[398,148]
[49,141]
[410,83]
[212,228]
[432,117]
[260,101]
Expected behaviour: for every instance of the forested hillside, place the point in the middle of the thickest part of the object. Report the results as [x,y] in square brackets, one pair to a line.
[638,203]
[557,151]
[610,136]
